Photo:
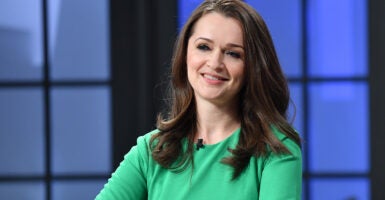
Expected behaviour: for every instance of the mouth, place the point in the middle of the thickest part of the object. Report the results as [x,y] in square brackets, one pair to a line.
[214,78]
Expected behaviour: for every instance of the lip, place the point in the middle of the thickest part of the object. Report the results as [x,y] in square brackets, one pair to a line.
[214,78]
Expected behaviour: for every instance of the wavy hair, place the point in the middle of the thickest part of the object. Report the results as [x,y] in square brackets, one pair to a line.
[263,104]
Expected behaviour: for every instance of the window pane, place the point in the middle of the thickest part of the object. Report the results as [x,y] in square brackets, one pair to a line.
[79,39]
[296,111]
[64,190]
[22,135]
[296,107]
[21,191]
[337,37]
[81,130]
[284,23]
[340,189]
[185,9]
[20,40]
[338,136]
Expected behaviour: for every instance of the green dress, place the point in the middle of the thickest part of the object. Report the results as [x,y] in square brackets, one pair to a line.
[273,177]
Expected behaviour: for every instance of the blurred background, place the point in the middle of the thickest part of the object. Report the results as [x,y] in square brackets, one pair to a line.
[80,80]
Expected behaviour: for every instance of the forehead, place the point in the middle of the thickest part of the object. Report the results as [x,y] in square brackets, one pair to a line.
[216,25]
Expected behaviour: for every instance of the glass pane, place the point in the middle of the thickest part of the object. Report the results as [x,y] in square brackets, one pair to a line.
[22,135]
[337,37]
[185,9]
[20,40]
[345,189]
[284,23]
[338,136]
[296,106]
[79,39]
[64,190]
[81,130]
[21,191]
[296,113]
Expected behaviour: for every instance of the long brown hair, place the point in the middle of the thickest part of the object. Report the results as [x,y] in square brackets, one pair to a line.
[264,96]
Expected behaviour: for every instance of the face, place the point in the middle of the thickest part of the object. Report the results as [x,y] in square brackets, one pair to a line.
[215,59]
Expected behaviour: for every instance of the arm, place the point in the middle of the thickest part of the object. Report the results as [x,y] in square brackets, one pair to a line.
[282,175]
[129,180]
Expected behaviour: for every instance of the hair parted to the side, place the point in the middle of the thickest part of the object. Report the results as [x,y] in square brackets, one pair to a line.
[264,97]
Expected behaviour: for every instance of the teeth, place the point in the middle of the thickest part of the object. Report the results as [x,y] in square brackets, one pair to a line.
[211,77]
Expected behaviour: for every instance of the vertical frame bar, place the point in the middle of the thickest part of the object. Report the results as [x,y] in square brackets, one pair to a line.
[376,16]
[47,101]
[305,98]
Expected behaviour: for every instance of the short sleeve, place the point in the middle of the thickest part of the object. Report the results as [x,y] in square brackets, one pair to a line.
[128,182]
[282,174]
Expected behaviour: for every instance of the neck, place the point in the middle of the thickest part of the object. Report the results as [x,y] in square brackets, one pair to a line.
[216,123]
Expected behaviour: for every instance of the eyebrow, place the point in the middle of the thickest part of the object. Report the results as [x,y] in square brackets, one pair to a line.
[229,44]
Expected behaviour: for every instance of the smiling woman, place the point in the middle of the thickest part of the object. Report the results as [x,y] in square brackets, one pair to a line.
[229,101]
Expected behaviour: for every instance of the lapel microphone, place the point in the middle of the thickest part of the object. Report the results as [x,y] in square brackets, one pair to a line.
[199,144]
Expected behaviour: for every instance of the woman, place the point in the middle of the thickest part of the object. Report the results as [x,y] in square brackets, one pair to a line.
[226,135]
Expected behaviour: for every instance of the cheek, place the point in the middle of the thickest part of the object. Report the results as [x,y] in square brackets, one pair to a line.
[193,66]
[192,61]
[240,76]
[238,72]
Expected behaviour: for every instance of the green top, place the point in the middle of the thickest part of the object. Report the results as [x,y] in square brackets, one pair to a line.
[267,178]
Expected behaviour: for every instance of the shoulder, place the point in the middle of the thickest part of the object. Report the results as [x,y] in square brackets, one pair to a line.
[143,142]
[147,137]
[290,144]
[282,171]
[141,148]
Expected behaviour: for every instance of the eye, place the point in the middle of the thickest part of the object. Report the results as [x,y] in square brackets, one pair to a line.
[233,54]
[203,47]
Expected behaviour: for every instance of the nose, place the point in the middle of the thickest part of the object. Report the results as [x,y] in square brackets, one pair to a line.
[215,60]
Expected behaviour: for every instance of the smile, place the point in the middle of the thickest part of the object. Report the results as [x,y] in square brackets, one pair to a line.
[214,78]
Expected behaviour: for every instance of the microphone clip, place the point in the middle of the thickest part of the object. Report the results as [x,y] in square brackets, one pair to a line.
[199,144]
